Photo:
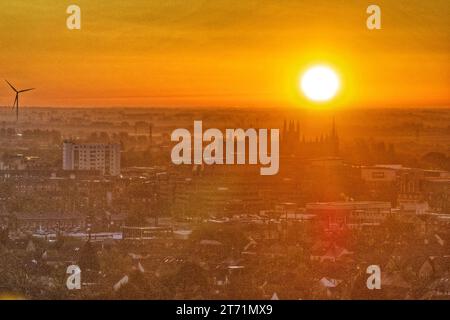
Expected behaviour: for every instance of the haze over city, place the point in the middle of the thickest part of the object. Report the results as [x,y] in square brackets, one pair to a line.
[221,150]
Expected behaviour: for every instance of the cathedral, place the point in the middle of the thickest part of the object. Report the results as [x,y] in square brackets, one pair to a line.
[294,143]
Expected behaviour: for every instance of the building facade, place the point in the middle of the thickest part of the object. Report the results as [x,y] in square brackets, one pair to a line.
[349,214]
[103,157]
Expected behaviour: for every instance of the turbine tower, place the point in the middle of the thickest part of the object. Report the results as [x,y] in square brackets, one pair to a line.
[16,100]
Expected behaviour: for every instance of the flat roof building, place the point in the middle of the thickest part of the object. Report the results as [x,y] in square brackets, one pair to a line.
[103,157]
[339,214]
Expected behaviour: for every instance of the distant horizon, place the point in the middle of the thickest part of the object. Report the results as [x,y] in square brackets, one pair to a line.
[299,108]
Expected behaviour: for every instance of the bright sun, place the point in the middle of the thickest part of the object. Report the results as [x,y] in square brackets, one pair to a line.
[319,83]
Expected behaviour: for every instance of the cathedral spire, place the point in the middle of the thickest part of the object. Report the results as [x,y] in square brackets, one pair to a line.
[333,129]
[334,138]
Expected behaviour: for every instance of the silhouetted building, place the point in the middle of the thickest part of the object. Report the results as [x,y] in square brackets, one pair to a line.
[294,143]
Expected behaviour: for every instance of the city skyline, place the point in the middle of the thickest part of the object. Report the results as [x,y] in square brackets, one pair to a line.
[215,151]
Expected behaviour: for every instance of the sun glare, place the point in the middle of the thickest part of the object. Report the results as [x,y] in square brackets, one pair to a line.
[319,83]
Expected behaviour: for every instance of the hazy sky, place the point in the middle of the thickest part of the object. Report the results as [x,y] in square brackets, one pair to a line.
[223,52]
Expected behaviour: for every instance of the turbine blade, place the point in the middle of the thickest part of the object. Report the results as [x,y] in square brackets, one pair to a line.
[11,85]
[26,90]
[15,101]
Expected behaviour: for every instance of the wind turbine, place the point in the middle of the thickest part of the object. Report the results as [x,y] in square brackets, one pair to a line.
[16,101]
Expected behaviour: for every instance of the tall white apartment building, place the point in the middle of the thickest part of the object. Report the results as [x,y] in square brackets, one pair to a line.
[104,157]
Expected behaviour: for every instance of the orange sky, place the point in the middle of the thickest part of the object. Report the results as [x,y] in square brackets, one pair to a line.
[223,53]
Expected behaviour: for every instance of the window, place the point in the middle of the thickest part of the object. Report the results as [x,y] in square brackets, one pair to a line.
[378,175]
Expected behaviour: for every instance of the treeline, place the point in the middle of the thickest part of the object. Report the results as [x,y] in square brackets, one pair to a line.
[52,135]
